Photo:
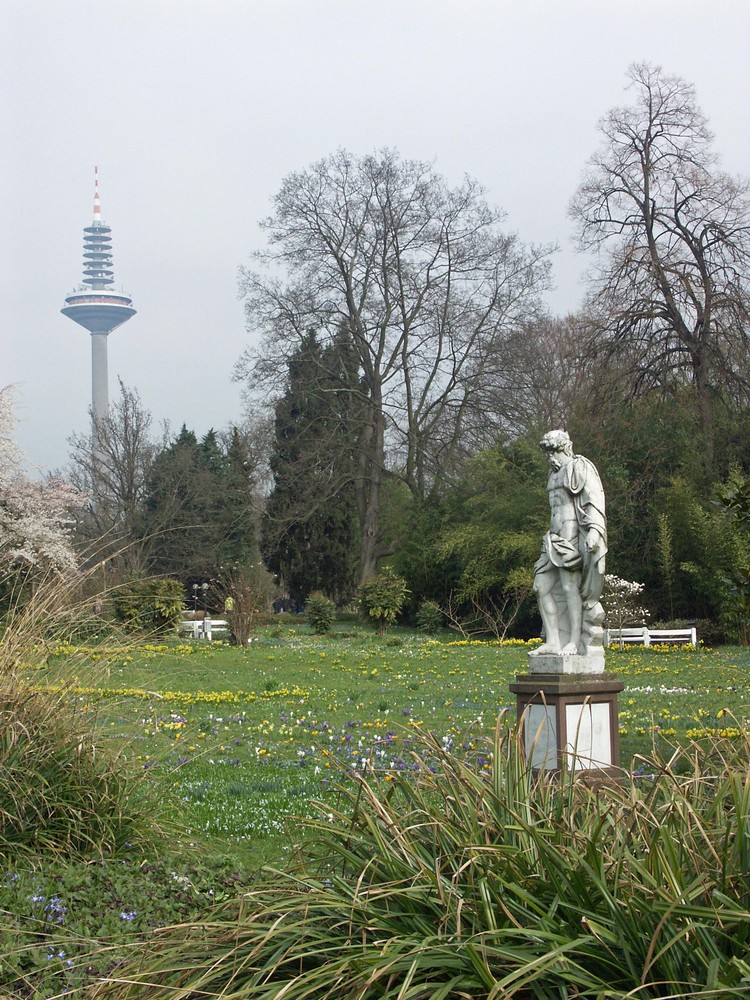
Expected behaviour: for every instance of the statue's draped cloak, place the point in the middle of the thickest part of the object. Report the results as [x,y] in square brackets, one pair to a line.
[582,481]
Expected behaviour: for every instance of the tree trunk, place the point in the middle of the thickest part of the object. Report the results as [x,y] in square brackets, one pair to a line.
[369,480]
[704,397]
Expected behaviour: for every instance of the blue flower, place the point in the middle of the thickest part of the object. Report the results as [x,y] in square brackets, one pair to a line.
[54,909]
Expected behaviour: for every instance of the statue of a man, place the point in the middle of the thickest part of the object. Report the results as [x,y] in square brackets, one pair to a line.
[568,575]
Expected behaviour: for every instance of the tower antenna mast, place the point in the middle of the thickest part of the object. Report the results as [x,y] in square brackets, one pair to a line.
[98,307]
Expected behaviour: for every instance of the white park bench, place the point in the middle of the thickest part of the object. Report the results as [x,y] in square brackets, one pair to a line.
[203,628]
[649,636]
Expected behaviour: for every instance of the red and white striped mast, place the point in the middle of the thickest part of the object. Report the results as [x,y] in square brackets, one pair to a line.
[96,305]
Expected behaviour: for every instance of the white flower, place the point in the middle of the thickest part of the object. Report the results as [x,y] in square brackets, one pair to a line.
[35,515]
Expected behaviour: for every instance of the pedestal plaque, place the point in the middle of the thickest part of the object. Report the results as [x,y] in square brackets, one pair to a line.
[569,720]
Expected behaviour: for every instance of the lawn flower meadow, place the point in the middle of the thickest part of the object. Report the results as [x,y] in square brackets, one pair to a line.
[244,739]
[241,744]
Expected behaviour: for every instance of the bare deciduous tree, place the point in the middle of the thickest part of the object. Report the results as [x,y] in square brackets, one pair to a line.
[425,283]
[114,476]
[548,374]
[491,615]
[673,236]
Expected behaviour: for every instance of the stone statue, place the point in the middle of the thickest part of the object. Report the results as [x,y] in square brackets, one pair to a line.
[569,574]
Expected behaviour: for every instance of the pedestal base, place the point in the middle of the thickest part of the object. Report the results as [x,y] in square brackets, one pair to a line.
[569,720]
[568,663]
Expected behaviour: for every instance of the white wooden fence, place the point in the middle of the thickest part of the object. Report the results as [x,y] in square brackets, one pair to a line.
[203,628]
[649,636]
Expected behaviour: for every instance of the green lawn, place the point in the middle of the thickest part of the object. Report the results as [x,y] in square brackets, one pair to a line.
[240,743]
[242,739]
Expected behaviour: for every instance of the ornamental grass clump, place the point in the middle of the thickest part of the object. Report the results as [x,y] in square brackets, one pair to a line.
[474,878]
[61,792]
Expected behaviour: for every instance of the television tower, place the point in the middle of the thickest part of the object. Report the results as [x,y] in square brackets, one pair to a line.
[96,306]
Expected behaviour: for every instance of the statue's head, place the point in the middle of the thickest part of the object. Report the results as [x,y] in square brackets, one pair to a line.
[557,441]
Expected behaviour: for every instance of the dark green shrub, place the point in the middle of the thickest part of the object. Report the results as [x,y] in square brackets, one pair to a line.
[709,633]
[320,611]
[382,597]
[150,606]
[429,617]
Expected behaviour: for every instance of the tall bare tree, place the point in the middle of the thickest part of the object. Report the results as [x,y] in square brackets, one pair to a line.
[549,375]
[673,236]
[114,475]
[426,284]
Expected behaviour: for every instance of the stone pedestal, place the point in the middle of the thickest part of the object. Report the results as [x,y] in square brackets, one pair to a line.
[592,662]
[569,716]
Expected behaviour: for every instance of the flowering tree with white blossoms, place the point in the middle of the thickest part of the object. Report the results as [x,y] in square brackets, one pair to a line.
[621,600]
[35,516]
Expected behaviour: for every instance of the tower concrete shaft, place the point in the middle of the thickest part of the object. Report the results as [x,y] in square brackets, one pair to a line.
[97,306]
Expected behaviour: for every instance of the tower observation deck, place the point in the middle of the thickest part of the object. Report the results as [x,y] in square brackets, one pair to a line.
[96,305]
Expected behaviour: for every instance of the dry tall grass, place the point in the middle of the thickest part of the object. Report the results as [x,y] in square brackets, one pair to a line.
[60,792]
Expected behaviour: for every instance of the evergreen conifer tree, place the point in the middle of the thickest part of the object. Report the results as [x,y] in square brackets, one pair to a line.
[309,531]
[199,507]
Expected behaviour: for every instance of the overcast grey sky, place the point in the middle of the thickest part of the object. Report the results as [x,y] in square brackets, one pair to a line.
[195,111]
